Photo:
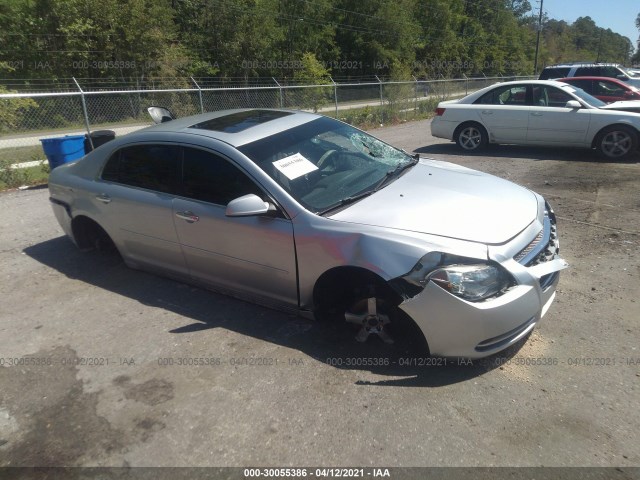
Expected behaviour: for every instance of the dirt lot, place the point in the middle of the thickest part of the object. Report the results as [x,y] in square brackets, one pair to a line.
[101,365]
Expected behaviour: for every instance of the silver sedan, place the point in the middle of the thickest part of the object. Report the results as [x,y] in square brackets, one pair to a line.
[305,213]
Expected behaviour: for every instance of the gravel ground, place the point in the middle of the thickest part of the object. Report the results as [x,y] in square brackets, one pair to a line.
[91,353]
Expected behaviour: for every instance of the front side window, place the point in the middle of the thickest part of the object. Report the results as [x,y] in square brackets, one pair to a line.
[546,96]
[608,89]
[153,167]
[588,72]
[210,178]
[613,72]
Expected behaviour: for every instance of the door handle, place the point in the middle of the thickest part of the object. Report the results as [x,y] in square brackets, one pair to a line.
[487,112]
[536,114]
[190,217]
[104,198]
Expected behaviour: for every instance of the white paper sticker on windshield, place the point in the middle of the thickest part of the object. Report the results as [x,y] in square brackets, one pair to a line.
[294,166]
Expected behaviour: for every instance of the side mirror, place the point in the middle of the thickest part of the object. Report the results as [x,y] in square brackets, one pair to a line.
[573,104]
[160,114]
[248,205]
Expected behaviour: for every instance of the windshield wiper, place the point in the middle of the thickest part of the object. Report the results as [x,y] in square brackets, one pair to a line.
[390,174]
[396,172]
[347,201]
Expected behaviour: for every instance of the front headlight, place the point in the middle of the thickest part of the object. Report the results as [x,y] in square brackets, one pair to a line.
[466,278]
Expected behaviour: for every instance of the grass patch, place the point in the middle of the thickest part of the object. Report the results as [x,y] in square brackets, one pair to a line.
[17,177]
[370,117]
[31,176]
[22,154]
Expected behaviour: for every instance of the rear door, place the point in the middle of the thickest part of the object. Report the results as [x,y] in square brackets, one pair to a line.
[505,113]
[251,256]
[135,203]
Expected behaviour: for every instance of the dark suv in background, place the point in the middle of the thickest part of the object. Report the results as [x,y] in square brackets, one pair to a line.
[613,70]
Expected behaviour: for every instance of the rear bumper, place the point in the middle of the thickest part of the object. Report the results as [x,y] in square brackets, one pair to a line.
[62,211]
[441,128]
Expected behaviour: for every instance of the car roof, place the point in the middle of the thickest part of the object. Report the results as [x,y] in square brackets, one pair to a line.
[555,83]
[482,91]
[236,127]
[586,77]
[584,64]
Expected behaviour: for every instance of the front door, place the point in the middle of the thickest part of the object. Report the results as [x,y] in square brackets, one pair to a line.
[253,255]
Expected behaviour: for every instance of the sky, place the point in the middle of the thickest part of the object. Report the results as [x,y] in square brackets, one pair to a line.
[618,15]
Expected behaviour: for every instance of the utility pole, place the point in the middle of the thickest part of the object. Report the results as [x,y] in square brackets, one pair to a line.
[535,65]
[599,45]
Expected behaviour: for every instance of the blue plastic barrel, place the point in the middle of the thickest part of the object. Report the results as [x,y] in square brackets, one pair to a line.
[63,149]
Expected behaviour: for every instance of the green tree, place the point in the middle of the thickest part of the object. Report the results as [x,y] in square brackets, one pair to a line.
[313,73]
[636,58]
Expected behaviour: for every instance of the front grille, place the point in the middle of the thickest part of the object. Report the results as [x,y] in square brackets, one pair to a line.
[531,247]
[543,248]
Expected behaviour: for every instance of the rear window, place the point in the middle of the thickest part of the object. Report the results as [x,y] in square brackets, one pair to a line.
[555,72]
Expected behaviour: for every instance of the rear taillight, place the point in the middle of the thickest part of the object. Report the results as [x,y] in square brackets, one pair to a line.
[440,111]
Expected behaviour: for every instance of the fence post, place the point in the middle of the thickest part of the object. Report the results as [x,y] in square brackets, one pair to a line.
[335,94]
[466,84]
[86,114]
[415,93]
[380,82]
[280,90]
[199,94]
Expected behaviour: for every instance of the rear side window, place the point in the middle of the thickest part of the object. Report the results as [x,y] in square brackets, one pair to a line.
[507,95]
[583,84]
[550,73]
[211,178]
[153,167]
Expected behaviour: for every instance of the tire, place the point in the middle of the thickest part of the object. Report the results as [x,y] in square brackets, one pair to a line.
[617,142]
[471,137]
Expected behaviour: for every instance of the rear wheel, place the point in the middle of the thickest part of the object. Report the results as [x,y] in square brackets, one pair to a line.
[471,137]
[91,236]
[617,142]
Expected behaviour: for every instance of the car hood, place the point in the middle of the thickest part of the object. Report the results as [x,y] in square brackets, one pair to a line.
[448,200]
[623,105]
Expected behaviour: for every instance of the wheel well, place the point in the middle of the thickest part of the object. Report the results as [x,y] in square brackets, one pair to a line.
[467,123]
[89,235]
[623,126]
[456,132]
[336,288]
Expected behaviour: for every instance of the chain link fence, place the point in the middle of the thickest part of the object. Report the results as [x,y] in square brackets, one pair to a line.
[25,118]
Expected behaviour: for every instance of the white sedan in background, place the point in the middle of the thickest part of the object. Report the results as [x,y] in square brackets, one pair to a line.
[537,112]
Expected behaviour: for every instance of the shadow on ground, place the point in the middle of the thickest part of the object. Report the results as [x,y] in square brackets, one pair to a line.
[330,342]
[524,152]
